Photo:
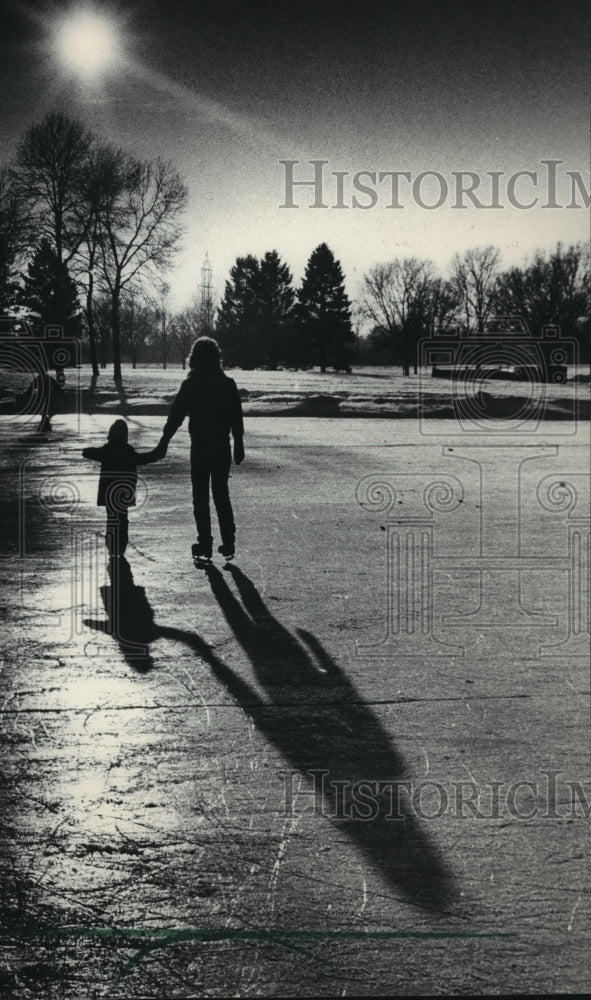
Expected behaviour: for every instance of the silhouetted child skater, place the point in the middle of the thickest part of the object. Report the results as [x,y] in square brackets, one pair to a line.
[117,482]
[212,402]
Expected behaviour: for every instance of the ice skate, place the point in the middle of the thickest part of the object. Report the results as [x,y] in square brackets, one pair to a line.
[227,551]
[201,554]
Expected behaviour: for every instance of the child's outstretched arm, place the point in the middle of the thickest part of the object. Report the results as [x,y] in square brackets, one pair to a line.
[95,454]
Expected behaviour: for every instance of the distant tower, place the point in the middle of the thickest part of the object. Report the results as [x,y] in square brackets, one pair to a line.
[206,308]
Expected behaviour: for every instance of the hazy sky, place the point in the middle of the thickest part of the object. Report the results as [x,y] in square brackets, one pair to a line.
[228,90]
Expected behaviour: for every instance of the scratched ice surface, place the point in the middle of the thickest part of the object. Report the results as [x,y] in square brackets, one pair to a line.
[186,752]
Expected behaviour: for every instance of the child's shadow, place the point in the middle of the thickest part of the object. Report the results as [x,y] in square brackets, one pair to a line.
[130,617]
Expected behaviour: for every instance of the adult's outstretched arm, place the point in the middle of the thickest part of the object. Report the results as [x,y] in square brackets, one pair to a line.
[178,412]
[146,457]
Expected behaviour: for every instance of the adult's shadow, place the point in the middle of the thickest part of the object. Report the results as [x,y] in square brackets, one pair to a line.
[317,720]
[312,714]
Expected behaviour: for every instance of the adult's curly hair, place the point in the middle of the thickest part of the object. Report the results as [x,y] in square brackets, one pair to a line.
[205,355]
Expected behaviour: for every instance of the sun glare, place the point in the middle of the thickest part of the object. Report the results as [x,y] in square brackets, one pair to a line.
[89,43]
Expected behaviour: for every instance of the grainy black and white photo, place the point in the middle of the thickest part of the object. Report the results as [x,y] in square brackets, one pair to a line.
[295,305]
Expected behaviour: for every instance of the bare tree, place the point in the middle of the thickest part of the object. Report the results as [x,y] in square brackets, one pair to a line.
[95,179]
[554,288]
[188,325]
[195,320]
[140,228]
[395,300]
[442,304]
[49,162]
[165,320]
[474,276]
[137,325]
[101,310]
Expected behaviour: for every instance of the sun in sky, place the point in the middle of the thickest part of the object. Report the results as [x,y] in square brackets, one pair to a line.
[419,90]
[88,42]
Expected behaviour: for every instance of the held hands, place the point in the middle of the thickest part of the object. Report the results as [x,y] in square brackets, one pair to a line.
[238,451]
[161,449]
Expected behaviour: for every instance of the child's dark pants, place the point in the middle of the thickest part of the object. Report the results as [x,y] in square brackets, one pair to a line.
[117,534]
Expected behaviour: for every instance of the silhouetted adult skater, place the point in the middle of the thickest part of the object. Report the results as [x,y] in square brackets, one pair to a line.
[211,401]
[117,482]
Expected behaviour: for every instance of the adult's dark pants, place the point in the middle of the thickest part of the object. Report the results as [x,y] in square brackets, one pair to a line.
[214,468]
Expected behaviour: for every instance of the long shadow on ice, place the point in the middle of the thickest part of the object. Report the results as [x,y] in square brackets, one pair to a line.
[312,714]
[130,616]
[318,722]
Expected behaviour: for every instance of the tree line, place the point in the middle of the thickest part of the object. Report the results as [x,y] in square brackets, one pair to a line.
[263,321]
[84,221]
[89,233]
[404,300]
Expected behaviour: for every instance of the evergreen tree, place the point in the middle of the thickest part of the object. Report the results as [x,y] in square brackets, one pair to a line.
[238,313]
[48,290]
[254,316]
[325,334]
[15,234]
[276,298]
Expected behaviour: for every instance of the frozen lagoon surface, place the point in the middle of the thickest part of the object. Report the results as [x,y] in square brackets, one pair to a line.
[354,763]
